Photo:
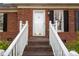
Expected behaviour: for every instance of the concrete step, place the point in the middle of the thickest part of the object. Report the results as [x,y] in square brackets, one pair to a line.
[40,39]
[38,46]
[38,43]
[38,53]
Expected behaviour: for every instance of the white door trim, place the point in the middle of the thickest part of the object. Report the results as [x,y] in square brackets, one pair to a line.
[42,31]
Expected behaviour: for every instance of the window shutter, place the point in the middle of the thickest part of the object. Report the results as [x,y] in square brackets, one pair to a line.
[66,21]
[51,17]
[77,20]
[5,22]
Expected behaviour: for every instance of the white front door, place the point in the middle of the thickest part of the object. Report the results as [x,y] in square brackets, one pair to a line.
[59,20]
[38,22]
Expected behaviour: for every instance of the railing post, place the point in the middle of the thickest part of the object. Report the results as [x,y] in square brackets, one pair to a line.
[20,27]
[26,22]
[27,32]
[49,32]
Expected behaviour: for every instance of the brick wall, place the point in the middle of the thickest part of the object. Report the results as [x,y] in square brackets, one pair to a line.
[71,21]
[12,27]
[27,14]
[71,34]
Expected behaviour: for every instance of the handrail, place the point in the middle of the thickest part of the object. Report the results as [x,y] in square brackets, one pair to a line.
[56,43]
[16,48]
[58,47]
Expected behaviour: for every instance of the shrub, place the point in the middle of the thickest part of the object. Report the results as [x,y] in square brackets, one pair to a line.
[73,45]
[4,45]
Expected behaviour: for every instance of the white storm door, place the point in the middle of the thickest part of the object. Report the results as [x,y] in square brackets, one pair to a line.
[38,22]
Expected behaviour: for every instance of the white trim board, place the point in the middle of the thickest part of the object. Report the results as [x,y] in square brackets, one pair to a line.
[36,6]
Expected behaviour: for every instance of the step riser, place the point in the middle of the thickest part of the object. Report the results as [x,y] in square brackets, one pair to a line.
[38,43]
[39,49]
[36,54]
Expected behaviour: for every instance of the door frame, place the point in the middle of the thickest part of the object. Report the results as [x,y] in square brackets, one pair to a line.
[44,21]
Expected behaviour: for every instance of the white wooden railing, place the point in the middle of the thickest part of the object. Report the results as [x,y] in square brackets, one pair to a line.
[58,47]
[16,48]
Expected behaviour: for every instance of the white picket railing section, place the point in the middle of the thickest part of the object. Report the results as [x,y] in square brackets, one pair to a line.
[16,48]
[57,45]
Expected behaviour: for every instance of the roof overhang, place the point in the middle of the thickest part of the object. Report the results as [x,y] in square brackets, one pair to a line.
[14,7]
[70,6]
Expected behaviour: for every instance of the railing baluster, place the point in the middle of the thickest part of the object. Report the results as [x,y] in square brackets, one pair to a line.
[14,51]
[10,53]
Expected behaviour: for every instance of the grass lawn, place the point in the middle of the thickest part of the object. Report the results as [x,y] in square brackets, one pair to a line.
[73,45]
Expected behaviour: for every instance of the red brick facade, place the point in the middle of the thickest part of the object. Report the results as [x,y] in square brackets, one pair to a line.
[72,33]
[12,28]
[27,14]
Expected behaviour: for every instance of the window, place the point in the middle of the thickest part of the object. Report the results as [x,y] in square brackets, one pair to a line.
[59,20]
[62,18]
[3,22]
[77,20]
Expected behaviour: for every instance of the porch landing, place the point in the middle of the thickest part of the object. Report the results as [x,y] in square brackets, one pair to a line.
[38,46]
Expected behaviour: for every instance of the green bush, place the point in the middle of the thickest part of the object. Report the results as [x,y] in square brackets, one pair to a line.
[73,45]
[4,45]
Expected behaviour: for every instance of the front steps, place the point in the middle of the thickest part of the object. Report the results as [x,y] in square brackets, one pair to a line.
[38,46]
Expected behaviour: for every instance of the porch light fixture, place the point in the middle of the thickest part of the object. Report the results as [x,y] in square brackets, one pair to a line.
[48,12]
